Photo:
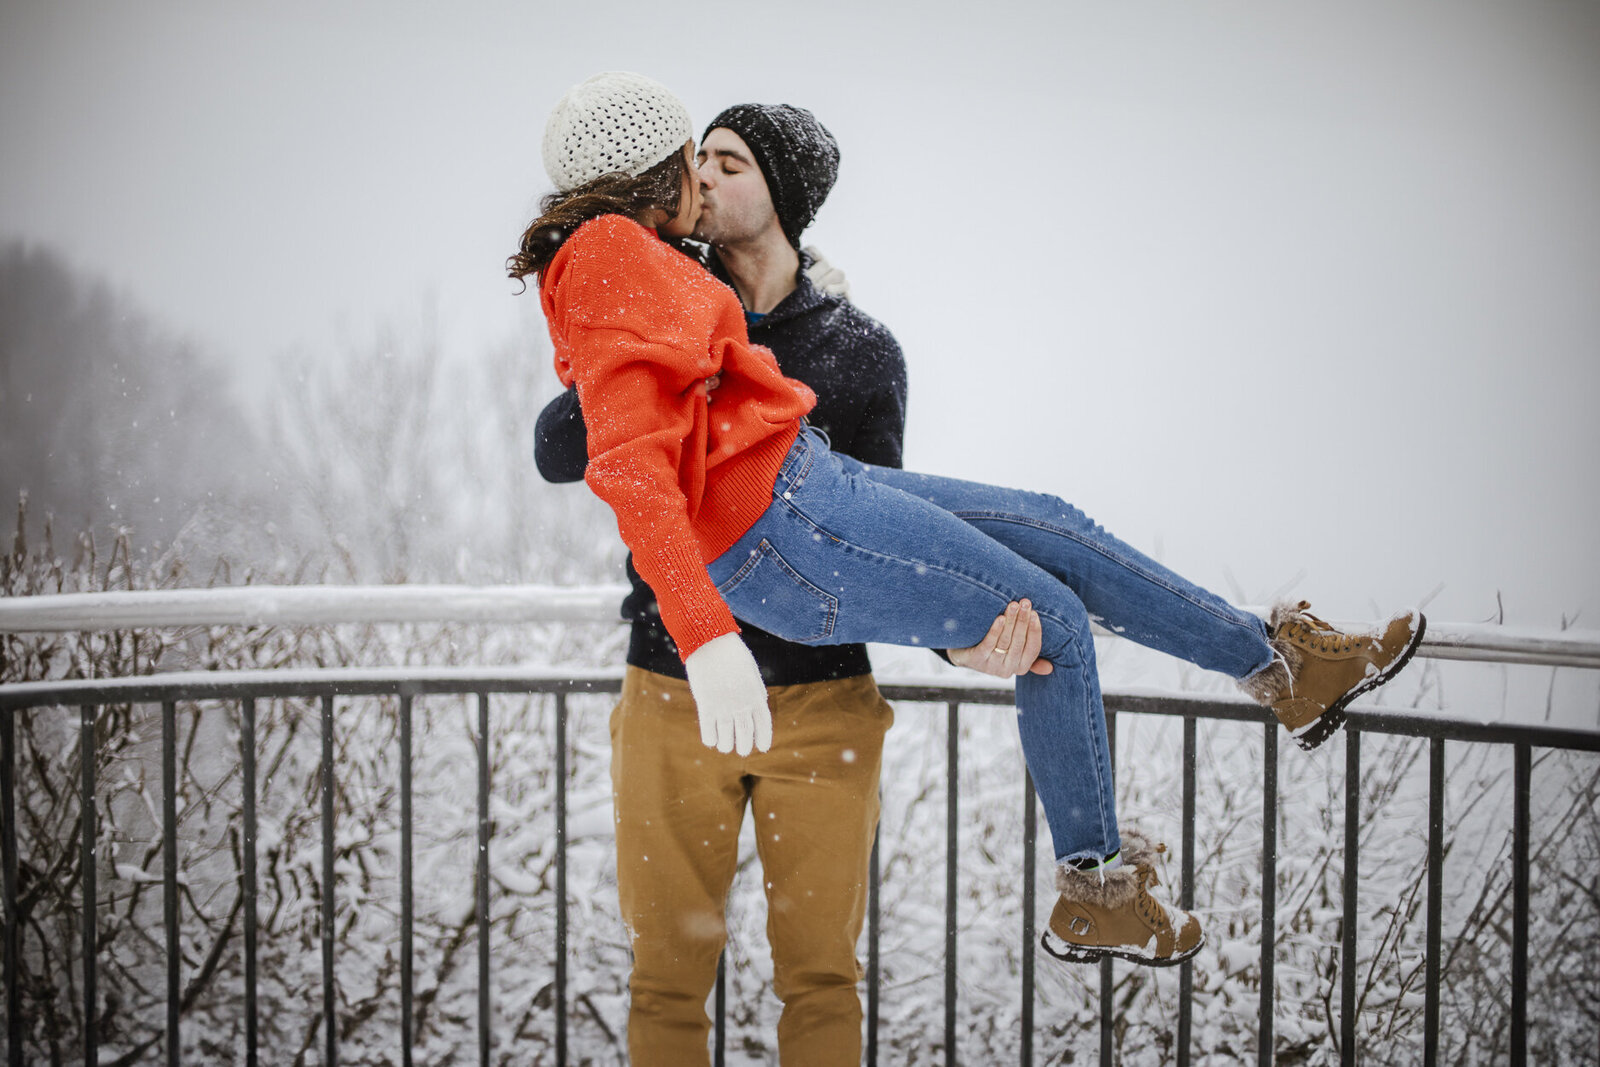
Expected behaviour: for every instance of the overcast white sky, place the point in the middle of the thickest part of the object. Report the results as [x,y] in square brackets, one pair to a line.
[1265,288]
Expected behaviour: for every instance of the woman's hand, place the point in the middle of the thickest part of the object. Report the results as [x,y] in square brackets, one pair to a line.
[729,695]
[825,276]
[1010,648]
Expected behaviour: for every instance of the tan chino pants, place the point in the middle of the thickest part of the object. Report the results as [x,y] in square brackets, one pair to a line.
[679,806]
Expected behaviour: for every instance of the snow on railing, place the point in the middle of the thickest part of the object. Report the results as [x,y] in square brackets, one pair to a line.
[326,605]
[310,605]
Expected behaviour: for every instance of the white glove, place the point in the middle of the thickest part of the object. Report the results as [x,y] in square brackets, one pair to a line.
[825,275]
[730,695]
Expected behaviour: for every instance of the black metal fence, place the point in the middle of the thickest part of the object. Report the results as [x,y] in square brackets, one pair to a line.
[330,686]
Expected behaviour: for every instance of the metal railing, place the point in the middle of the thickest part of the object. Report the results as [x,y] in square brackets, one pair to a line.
[329,685]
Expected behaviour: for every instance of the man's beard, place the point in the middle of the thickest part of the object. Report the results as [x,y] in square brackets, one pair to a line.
[721,232]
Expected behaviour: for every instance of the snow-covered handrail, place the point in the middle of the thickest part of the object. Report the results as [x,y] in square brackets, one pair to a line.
[327,605]
[309,605]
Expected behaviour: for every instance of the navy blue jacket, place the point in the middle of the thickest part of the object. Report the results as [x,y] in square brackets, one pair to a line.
[855,367]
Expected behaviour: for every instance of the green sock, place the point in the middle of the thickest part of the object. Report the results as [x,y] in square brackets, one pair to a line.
[1089,866]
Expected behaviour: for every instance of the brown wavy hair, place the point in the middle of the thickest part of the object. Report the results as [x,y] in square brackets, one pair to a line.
[610,194]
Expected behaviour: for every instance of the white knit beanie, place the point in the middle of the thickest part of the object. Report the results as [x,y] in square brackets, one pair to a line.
[615,121]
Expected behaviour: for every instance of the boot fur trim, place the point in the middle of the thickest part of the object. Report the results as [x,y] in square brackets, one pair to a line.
[1115,888]
[1282,612]
[1275,681]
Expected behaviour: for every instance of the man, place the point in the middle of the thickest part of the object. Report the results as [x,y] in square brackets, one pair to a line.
[764,171]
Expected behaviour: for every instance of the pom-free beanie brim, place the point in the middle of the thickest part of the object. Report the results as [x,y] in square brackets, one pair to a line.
[614,122]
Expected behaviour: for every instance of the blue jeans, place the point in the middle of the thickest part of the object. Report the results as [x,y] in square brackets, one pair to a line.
[849,553]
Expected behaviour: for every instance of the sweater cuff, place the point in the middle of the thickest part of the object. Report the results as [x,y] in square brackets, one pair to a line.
[691,608]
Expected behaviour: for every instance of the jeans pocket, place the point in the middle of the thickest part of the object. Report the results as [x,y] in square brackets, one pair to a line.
[774,596]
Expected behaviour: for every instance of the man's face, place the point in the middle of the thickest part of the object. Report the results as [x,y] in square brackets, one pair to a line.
[737,205]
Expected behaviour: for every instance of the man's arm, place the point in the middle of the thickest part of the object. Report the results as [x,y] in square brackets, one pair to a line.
[560,442]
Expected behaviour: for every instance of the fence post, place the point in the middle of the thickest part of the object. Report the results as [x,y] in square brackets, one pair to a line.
[1107,976]
[561,880]
[88,813]
[952,821]
[1030,835]
[1269,890]
[1352,875]
[330,1004]
[8,861]
[407,957]
[1186,901]
[1523,775]
[1430,1035]
[169,880]
[481,881]
[874,879]
[247,773]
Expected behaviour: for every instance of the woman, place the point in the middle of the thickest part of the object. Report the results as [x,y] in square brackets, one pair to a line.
[733,507]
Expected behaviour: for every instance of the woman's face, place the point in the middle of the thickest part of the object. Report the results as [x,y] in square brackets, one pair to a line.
[688,217]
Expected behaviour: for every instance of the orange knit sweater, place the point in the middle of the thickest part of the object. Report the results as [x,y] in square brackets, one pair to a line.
[639,328]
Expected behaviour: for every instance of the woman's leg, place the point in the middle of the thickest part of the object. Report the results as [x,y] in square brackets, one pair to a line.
[1124,590]
[1306,670]
[841,558]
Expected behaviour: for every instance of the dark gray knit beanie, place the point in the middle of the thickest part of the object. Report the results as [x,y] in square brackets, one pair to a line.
[796,153]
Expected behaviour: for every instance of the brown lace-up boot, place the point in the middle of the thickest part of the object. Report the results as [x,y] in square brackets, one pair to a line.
[1321,669]
[1114,913]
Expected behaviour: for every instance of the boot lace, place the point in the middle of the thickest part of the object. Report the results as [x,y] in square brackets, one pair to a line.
[1148,908]
[1312,632]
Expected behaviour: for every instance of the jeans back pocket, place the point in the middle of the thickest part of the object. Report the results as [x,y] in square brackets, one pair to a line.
[771,594]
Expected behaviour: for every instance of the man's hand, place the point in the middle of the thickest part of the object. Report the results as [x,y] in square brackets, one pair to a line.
[729,695]
[1010,648]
